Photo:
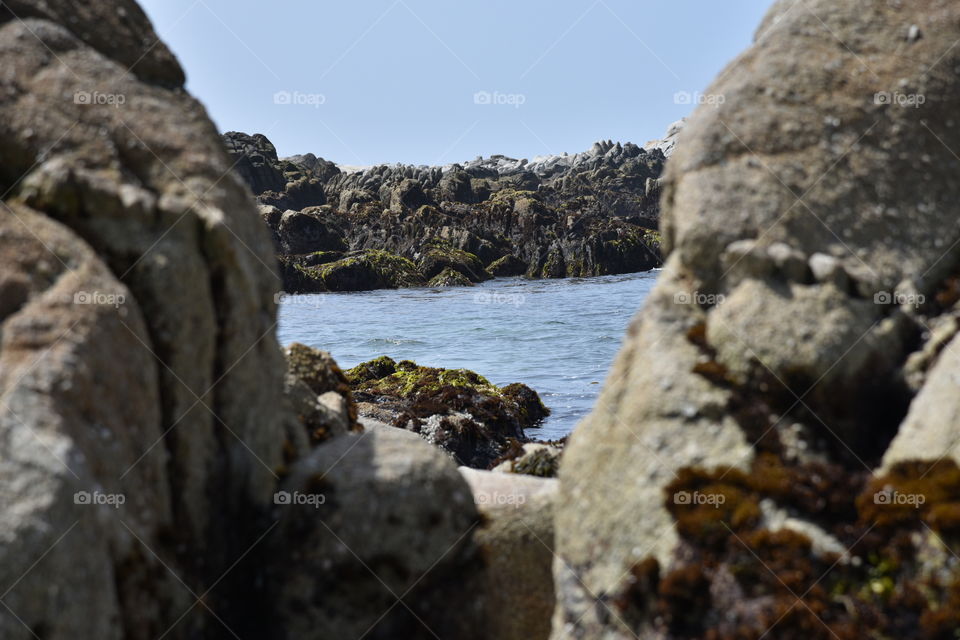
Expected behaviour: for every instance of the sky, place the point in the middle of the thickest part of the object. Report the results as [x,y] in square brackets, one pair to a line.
[364,82]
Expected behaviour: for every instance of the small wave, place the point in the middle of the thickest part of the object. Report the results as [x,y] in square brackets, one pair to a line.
[396,342]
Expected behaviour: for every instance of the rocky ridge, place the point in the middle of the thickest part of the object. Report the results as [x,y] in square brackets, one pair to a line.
[587,214]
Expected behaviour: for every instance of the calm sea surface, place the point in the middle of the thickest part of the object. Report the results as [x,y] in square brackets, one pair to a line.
[557,336]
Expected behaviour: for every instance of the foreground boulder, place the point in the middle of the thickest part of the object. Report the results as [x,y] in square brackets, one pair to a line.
[64,449]
[144,430]
[170,404]
[455,409]
[728,484]
[516,541]
[374,540]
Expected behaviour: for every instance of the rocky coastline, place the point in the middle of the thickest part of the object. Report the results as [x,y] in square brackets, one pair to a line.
[775,454]
[478,424]
[589,214]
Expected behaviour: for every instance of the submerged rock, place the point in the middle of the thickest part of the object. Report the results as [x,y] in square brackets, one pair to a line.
[455,409]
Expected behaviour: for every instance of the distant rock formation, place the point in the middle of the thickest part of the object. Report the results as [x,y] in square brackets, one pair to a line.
[587,214]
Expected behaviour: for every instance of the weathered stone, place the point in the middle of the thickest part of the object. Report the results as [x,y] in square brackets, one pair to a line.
[516,542]
[372,519]
[767,373]
[172,404]
[450,278]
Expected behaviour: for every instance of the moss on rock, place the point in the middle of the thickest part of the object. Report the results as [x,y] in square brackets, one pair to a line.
[894,579]
[438,258]
[456,409]
[530,406]
[450,278]
[507,266]
[365,271]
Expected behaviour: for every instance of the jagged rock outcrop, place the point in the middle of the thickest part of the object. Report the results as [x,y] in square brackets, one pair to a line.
[459,411]
[592,213]
[728,485]
[281,183]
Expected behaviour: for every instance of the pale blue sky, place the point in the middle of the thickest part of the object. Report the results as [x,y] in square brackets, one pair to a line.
[396,80]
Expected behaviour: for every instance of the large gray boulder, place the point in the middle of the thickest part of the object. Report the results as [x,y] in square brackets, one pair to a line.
[80,404]
[170,398]
[375,540]
[811,222]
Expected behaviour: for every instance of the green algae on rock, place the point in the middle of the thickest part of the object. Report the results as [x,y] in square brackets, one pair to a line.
[456,409]
[585,215]
[319,393]
[450,278]
[355,271]
[438,258]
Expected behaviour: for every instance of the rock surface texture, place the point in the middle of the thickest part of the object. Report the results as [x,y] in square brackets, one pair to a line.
[149,372]
[516,538]
[457,410]
[752,465]
[157,455]
[589,214]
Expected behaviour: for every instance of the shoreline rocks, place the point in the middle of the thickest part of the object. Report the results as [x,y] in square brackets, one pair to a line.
[589,214]
[457,410]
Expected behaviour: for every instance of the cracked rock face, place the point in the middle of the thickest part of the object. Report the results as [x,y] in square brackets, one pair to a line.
[808,294]
[144,430]
[138,350]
